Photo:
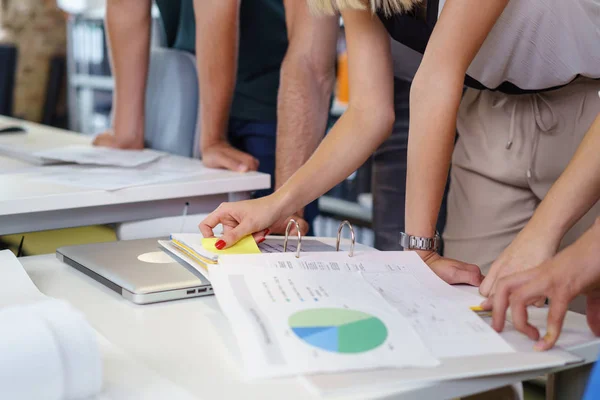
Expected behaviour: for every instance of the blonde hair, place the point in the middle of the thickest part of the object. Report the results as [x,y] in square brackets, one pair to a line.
[388,7]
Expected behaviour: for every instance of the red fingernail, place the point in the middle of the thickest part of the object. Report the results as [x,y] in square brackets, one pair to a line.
[260,241]
[220,244]
[267,231]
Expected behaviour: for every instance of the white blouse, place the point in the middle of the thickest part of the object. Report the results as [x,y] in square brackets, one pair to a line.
[540,44]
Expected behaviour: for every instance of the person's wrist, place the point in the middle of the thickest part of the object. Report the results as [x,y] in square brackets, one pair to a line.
[283,203]
[546,229]
[426,255]
[207,144]
[129,133]
[540,235]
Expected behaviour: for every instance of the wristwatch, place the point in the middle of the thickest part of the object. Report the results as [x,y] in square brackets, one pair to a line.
[409,242]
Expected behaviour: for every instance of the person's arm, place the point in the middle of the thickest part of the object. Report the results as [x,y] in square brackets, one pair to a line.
[307,78]
[435,96]
[363,127]
[128,24]
[571,196]
[556,280]
[217,26]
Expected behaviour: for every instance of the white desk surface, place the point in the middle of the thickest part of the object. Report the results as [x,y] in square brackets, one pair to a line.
[66,206]
[187,341]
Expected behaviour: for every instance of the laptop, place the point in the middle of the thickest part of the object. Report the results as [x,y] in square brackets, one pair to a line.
[139,270]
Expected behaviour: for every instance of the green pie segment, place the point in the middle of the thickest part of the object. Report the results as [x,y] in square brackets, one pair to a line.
[339,330]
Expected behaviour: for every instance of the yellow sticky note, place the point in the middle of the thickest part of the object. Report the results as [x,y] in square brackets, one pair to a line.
[477,308]
[245,246]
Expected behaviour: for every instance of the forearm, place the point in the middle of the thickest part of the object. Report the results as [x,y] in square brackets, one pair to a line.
[574,193]
[307,78]
[362,128]
[302,113]
[433,108]
[347,146]
[128,25]
[435,96]
[580,262]
[217,24]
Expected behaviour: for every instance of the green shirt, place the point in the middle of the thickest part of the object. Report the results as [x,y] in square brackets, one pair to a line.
[263,43]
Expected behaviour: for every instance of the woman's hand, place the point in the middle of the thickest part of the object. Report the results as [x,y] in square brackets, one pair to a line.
[452,271]
[574,271]
[240,219]
[528,250]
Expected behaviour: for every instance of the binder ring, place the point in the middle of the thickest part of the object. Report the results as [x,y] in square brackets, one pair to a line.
[287,233]
[339,237]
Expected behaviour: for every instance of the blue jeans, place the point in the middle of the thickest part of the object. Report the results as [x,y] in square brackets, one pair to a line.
[259,139]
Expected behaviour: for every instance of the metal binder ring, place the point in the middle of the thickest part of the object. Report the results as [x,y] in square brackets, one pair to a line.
[339,237]
[287,233]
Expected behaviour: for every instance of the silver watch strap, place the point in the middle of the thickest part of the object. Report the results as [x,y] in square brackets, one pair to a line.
[409,242]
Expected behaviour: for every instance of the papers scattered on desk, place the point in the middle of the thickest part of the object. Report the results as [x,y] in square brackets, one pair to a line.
[79,154]
[48,349]
[167,169]
[93,155]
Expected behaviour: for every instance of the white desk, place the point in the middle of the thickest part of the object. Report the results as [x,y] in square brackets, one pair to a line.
[183,342]
[28,205]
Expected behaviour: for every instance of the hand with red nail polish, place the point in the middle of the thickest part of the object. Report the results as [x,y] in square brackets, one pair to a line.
[242,218]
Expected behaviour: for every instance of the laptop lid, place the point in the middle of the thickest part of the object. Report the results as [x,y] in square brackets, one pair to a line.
[137,269]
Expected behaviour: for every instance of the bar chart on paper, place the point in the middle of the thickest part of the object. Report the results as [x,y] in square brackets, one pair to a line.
[339,330]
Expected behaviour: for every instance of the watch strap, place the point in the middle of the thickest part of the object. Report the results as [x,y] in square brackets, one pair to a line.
[410,242]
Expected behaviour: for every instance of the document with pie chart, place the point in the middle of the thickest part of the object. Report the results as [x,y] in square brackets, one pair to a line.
[291,322]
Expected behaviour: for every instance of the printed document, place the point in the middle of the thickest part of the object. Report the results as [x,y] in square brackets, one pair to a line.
[290,322]
[266,291]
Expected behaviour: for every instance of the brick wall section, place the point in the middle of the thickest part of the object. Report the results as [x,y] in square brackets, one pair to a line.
[38,29]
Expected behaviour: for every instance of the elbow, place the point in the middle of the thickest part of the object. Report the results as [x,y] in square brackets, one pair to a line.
[419,89]
[376,119]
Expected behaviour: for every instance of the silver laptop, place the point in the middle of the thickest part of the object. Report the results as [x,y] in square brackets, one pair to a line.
[140,270]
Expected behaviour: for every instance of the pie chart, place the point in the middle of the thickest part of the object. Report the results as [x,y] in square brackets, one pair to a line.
[339,330]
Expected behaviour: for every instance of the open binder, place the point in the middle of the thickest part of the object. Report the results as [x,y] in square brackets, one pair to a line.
[261,293]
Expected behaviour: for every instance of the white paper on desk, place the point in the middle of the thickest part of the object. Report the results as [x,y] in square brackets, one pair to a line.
[290,322]
[109,178]
[437,311]
[94,155]
[15,285]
